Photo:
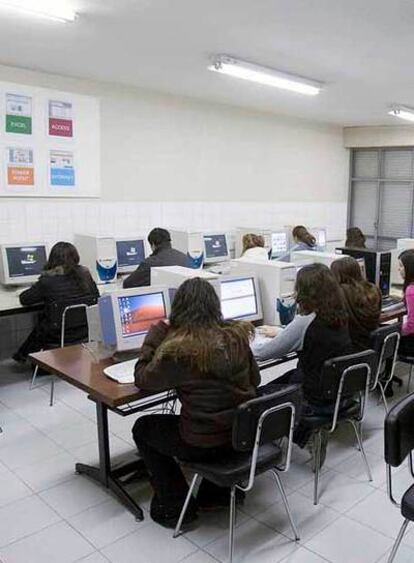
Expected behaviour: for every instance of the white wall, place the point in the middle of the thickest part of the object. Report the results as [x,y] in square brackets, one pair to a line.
[178,153]
[391,136]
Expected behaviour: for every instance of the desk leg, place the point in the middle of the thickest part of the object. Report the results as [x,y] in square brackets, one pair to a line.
[103,473]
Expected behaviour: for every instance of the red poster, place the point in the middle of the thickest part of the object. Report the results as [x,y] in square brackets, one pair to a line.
[60,127]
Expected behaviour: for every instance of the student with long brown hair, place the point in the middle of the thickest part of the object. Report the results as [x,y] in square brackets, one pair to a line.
[253,248]
[304,240]
[355,238]
[209,363]
[362,298]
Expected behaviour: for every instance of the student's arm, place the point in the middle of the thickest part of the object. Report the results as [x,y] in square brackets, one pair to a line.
[408,326]
[139,278]
[288,340]
[33,295]
[154,374]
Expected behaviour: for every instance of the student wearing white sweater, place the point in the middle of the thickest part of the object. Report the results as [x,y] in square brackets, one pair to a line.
[253,248]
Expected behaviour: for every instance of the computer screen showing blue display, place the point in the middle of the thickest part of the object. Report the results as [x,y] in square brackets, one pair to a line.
[215,246]
[139,312]
[130,253]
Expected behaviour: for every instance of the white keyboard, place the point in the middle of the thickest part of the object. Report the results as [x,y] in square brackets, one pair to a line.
[259,340]
[122,372]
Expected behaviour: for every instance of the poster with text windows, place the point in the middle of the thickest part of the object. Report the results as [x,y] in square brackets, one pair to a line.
[61,169]
[18,114]
[20,169]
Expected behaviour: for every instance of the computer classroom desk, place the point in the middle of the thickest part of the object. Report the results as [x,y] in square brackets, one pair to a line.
[83,368]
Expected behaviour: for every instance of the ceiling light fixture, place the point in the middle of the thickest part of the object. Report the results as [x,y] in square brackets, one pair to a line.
[263,75]
[49,9]
[402,112]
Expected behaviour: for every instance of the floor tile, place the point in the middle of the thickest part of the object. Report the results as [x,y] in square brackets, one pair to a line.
[347,541]
[106,523]
[265,492]
[56,544]
[151,544]
[12,488]
[47,474]
[338,491]
[28,450]
[303,555]
[355,467]
[76,434]
[23,518]
[254,542]
[75,496]
[199,557]
[309,519]
[404,555]
[213,525]
[94,558]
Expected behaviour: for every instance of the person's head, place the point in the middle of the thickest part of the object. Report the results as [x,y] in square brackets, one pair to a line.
[317,291]
[301,234]
[159,237]
[406,267]
[346,270]
[252,241]
[355,238]
[63,254]
[195,305]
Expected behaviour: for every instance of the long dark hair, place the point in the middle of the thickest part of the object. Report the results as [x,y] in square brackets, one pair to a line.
[302,234]
[64,255]
[407,259]
[355,238]
[199,331]
[317,291]
[347,270]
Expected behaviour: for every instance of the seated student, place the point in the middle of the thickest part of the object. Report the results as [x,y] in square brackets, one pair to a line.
[406,268]
[355,238]
[162,255]
[303,240]
[319,332]
[62,279]
[253,248]
[362,298]
[209,363]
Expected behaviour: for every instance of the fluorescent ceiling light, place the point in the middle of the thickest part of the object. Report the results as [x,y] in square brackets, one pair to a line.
[263,75]
[402,112]
[57,10]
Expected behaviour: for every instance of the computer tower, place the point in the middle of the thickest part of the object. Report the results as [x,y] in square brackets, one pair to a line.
[377,265]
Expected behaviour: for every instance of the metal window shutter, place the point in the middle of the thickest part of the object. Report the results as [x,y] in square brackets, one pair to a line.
[363,210]
[396,209]
[397,164]
[365,164]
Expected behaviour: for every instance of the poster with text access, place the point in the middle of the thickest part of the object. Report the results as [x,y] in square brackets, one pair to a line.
[60,119]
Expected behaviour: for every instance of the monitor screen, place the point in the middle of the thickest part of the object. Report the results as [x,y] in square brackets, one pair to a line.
[238,298]
[215,246]
[139,312]
[25,260]
[130,253]
[320,235]
[279,243]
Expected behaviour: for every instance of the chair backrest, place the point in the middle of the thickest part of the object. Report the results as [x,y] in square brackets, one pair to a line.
[276,424]
[385,339]
[347,374]
[399,431]
[67,317]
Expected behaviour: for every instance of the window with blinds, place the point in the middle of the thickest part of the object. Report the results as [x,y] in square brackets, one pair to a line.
[382,194]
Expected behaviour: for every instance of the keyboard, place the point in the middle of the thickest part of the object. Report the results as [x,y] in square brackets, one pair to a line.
[122,372]
[390,301]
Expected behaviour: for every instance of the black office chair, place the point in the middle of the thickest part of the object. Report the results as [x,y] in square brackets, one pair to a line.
[69,319]
[385,341]
[345,383]
[258,429]
[406,359]
[399,444]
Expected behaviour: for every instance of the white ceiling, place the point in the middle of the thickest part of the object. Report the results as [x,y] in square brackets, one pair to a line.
[361,49]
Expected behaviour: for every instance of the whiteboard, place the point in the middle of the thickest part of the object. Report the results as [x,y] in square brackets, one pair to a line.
[80,176]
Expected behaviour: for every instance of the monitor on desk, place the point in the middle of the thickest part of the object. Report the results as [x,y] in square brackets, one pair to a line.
[130,253]
[126,316]
[22,264]
[279,244]
[240,298]
[216,248]
[320,236]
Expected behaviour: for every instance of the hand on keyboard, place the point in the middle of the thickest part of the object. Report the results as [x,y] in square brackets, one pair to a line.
[268,331]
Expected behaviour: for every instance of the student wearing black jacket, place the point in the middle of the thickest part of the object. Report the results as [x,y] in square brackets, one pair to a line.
[62,279]
[209,363]
[162,255]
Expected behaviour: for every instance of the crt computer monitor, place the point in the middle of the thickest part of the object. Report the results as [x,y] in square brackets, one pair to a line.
[320,235]
[279,243]
[130,254]
[22,263]
[240,298]
[126,316]
[215,248]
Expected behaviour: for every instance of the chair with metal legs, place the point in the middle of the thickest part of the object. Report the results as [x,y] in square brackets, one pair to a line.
[405,359]
[399,445]
[345,381]
[70,317]
[260,427]
[385,341]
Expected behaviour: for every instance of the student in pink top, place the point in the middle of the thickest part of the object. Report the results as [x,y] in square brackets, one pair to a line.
[406,268]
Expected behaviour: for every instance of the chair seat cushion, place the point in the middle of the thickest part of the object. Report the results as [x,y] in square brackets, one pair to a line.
[407,504]
[235,468]
[406,359]
[351,410]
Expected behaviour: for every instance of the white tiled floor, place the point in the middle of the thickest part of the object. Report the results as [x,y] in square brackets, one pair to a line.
[50,515]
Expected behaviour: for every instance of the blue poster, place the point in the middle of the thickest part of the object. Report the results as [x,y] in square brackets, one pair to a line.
[62,170]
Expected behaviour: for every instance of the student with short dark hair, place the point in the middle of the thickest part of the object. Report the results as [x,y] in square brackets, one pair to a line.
[162,255]
[362,298]
[355,238]
[63,278]
[209,363]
